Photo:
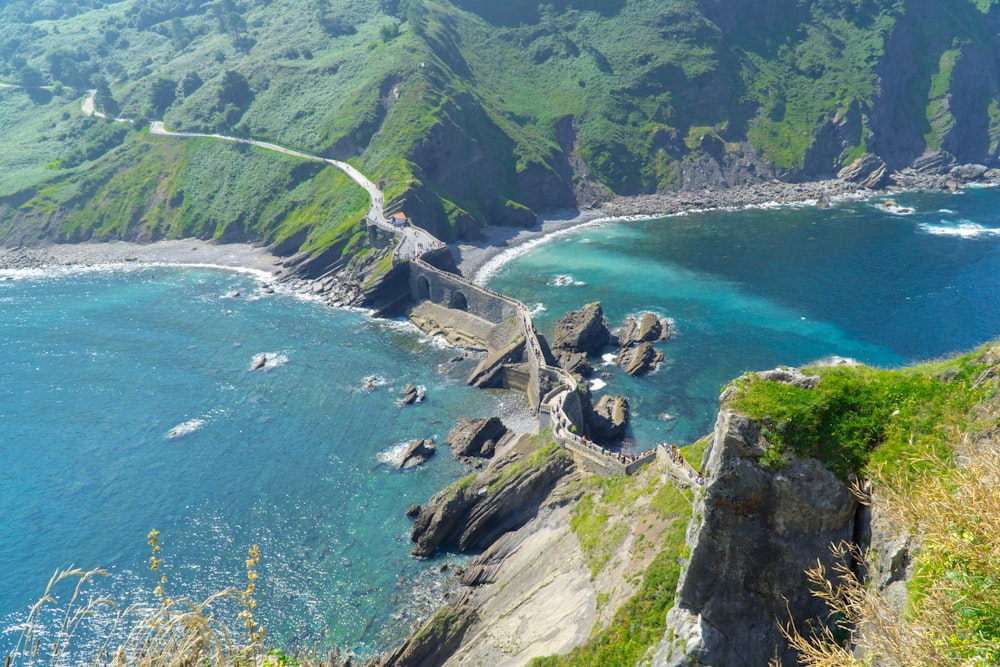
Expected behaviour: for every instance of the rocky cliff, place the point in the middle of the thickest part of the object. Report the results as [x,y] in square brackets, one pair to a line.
[755,532]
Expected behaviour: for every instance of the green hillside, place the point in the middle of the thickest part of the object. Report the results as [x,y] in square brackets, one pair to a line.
[468,112]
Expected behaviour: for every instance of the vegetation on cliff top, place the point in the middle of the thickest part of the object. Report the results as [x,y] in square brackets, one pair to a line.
[859,418]
[468,112]
[655,514]
[926,439]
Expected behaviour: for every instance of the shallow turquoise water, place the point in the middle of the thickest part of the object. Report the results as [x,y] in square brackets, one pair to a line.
[754,289]
[99,370]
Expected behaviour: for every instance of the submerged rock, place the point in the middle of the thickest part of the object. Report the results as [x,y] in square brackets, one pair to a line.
[413,395]
[259,362]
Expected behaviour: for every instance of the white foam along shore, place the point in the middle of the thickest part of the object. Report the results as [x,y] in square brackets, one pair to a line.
[479,261]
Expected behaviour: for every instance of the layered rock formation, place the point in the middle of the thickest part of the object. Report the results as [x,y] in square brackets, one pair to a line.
[609,418]
[647,328]
[477,437]
[417,452]
[578,334]
[640,359]
[470,514]
[756,532]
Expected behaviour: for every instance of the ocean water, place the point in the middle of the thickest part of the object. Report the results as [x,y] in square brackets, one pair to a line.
[127,403]
[883,282]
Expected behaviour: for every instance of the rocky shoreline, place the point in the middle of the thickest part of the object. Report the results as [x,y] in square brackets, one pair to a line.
[472,258]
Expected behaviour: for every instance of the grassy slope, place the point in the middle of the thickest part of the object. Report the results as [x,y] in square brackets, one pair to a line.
[646,83]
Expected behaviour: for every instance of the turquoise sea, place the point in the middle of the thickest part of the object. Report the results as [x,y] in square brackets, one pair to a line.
[127,401]
[754,289]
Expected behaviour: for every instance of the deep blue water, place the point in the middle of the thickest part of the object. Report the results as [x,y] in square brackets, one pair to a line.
[751,290]
[98,369]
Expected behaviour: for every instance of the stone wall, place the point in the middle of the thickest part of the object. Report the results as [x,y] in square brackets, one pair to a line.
[453,291]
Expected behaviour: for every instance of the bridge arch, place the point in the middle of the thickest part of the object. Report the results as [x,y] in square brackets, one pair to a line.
[458,301]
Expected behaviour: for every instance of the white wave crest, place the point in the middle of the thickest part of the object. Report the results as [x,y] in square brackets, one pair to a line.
[837,360]
[185,428]
[965,229]
[537,308]
[608,359]
[394,455]
[371,382]
[490,268]
[597,384]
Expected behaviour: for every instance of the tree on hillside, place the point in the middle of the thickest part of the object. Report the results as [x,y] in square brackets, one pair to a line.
[235,90]
[104,100]
[30,77]
[190,83]
[162,94]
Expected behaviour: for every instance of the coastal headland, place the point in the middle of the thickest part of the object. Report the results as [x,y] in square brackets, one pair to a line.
[535,576]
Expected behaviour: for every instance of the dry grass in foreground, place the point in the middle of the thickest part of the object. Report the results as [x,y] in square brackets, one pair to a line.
[179,632]
[953,614]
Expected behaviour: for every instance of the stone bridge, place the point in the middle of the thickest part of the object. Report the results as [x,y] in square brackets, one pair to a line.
[451,290]
[551,391]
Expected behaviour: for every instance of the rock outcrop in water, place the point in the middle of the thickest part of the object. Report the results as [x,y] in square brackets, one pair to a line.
[756,532]
[640,359]
[413,395]
[417,452]
[647,328]
[472,513]
[609,418]
[477,437]
[583,330]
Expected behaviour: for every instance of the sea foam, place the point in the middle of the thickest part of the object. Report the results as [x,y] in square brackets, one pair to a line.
[394,455]
[965,229]
[185,428]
